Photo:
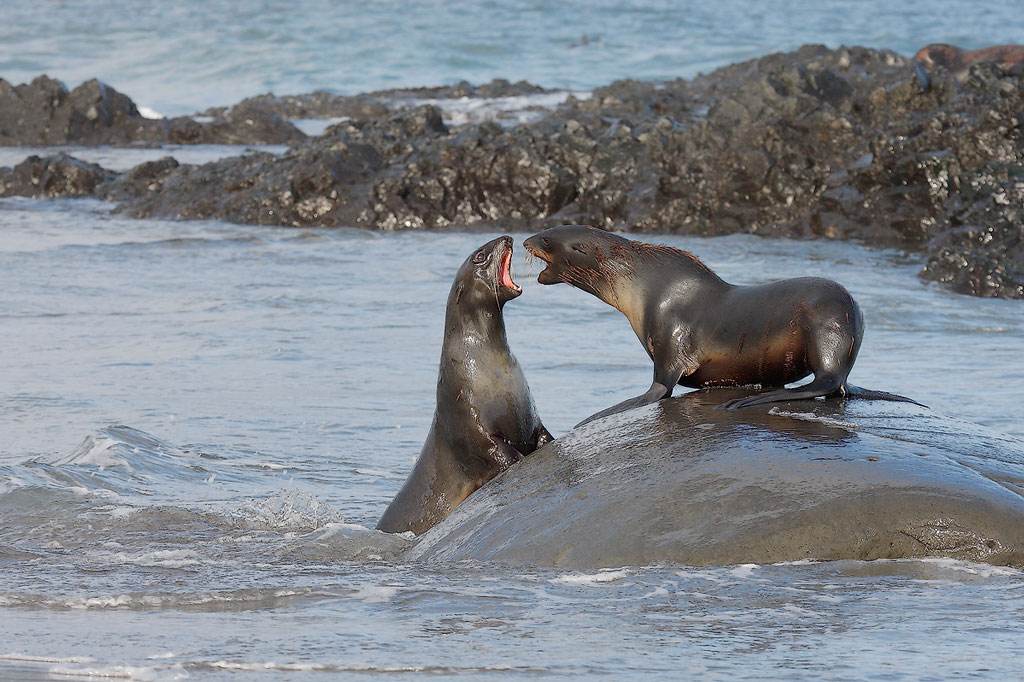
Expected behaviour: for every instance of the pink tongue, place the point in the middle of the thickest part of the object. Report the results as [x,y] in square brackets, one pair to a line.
[506,265]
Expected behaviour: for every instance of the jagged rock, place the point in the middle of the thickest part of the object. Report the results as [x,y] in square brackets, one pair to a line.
[836,144]
[53,176]
[44,112]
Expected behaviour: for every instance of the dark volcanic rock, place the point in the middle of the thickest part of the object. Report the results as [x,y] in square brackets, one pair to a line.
[983,253]
[380,104]
[53,176]
[44,112]
[683,482]
[839,144]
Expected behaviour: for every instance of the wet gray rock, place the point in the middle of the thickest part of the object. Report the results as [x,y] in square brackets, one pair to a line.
[834,144]
[682,482]
[44,112]
[379,104]
[53,176]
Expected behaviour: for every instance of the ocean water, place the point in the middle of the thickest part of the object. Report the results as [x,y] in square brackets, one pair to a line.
[201,422]
[184,56]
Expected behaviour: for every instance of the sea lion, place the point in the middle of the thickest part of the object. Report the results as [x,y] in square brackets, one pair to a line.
[702,331]
[958,62]
[485,419]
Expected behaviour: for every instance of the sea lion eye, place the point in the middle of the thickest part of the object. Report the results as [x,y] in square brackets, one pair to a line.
[479,257]
[580,249]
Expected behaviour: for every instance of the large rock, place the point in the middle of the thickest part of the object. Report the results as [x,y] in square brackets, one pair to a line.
[45,112]
[48,177]
[683,482]
[839,144]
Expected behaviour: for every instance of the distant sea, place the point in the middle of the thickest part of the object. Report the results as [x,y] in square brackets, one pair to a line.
[183,56]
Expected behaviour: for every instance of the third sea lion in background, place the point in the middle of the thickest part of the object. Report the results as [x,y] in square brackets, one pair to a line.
[958,62]
[485,419]
[702,331]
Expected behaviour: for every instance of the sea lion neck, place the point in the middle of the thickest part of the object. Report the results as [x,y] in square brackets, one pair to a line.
[645,272]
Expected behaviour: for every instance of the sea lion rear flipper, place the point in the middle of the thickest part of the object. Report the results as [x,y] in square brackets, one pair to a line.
[826,385]
[656,392]
[868,394]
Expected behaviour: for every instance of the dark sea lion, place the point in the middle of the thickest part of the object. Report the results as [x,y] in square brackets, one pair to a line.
[958,62]
[485,419]
[702,331]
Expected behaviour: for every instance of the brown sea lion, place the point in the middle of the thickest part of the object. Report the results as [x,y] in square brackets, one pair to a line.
[958,62]
[485,419]
[702,331]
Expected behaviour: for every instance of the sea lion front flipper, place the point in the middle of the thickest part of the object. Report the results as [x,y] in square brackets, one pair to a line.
[542,437]
[656,392]
[501,452]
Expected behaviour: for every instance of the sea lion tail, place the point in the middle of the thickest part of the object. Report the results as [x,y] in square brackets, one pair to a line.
[867,394]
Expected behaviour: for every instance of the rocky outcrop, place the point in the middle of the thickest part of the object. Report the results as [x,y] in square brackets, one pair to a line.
[683,482]
[45,113]
[382,103]
[53,176]
[850,143]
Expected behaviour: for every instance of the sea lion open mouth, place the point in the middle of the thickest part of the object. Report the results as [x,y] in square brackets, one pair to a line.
[505,273]
[547,275]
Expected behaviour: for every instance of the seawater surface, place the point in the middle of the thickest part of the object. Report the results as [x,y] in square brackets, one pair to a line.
[179,57]
[203,421]
[200,422]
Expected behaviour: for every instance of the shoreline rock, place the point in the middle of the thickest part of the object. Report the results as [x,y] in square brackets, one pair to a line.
[45,113]
[837,144]
[685,483]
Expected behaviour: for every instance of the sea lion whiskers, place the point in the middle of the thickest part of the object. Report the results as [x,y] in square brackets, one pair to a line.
[694,325]
[481,425]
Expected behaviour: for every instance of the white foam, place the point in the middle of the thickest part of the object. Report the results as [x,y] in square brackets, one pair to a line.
[118,601]
[811,417]
[96,451]
[316,126]
[29,658]
[980,570]
[271,665]
[146,112]
[744,570]
[165,558]
[604,576]
[121,512]
[115,672]
[344,529]
[514,110]
[375,595]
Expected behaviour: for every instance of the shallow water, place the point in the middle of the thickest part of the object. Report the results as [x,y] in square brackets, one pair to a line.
[122,159]
[202,420]
[184,56]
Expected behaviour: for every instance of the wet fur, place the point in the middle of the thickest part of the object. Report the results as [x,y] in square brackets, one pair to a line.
[701,331]
[485,419]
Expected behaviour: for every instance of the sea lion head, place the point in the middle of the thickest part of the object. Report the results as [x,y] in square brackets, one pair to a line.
[486,275]
[581,256]
[948,57]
